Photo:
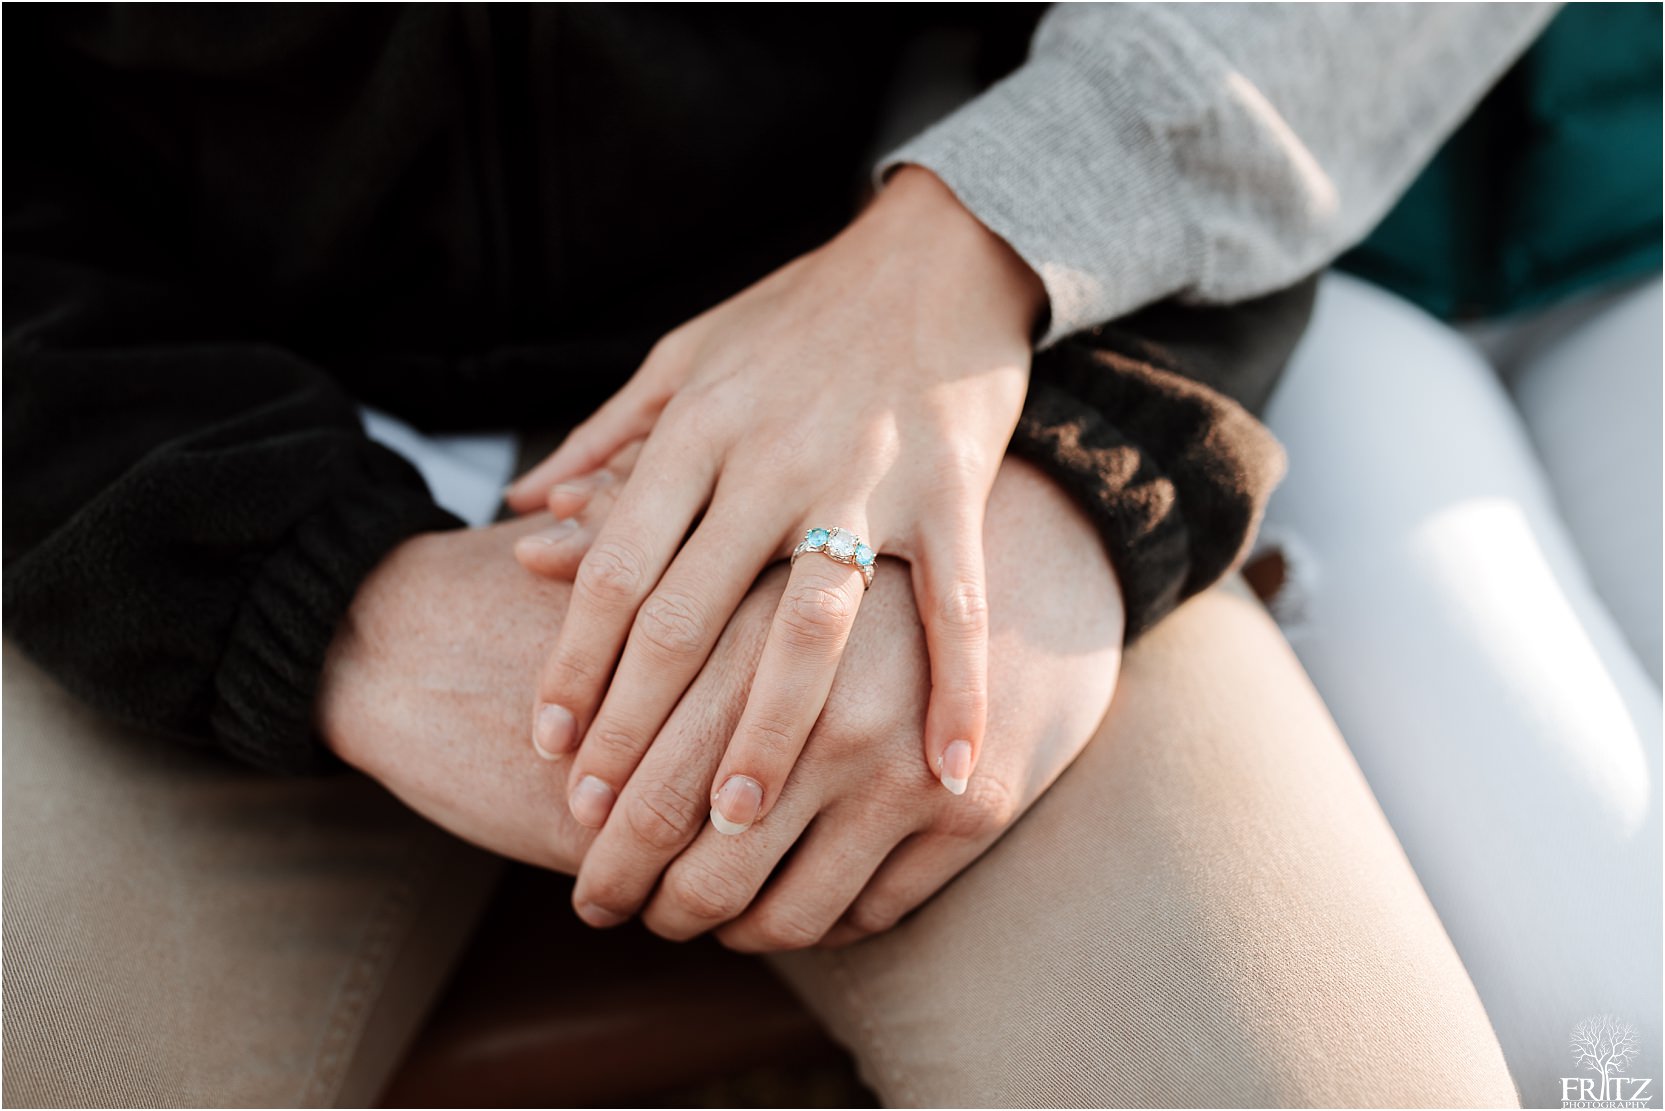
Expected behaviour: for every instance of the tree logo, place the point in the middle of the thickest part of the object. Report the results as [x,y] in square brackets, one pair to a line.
[1606,1046]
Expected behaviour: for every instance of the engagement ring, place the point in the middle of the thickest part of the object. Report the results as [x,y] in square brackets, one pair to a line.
[841,545]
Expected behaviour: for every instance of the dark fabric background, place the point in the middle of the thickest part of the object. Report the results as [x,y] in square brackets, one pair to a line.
[228,226]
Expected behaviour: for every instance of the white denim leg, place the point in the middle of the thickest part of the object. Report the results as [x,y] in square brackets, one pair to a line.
[1498,712]
[1591,400]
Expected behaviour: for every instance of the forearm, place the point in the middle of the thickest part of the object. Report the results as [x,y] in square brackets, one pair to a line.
[1212,151]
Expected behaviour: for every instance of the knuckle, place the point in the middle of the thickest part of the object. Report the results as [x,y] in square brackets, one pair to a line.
[612,892]
[765,733]
[613,571]
[966,699]
[815,616]
[694,408]
[669,349]
[611,745]
[963,609]
[847,742]
[987,807]
[873,914]
[704,894]
[661,355]
[665,817]
[880,440]
[783,928]
[569,672]
[782,450]
[960,465]
[666,363]
[671,625]
[973,700]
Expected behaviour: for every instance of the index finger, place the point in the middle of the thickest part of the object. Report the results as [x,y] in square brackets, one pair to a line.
[630,552]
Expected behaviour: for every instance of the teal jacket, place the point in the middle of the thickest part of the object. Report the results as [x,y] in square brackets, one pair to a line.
[1551,187]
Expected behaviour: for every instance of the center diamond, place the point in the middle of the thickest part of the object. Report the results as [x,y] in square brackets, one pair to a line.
[841,545]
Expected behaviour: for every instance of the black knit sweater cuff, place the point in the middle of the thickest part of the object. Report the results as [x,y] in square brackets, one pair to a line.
[268,678]
[1173,474]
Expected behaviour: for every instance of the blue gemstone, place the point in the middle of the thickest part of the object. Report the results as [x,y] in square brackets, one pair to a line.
[816,538]
[865,555]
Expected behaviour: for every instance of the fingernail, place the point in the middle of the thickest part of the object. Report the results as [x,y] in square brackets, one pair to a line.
[738,802]
[552,730]
[590,801]
[560,530]
[956,766]
[600,917]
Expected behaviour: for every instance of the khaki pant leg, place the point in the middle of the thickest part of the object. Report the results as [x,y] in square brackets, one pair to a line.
[1207,909]
[181,931]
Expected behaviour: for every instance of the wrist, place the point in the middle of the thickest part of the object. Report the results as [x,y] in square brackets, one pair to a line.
[342,680]
[916,207]
[349,662]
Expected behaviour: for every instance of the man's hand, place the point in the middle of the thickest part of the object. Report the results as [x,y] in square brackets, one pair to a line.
[426,686]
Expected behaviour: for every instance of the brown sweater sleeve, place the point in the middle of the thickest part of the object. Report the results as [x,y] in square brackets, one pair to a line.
[1149,424]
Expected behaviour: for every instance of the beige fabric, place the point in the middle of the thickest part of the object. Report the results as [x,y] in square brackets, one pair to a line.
[182,932]
[1207,909]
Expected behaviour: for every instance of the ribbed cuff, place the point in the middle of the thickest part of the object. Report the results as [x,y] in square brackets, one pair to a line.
[1174,475]
[1064,161]
[268,678]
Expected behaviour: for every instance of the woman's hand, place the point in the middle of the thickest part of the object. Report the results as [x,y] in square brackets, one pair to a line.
[875,835]
[872,386]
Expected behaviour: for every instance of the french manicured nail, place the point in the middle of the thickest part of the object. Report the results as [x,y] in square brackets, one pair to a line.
[590,801]
[600,917]
[552,730]
[554,534]
[956,766]
[738,801]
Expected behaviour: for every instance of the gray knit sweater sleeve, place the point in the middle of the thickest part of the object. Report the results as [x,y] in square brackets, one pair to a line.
[1213,151]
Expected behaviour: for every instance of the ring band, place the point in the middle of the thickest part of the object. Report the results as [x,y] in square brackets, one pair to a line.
[842,546]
